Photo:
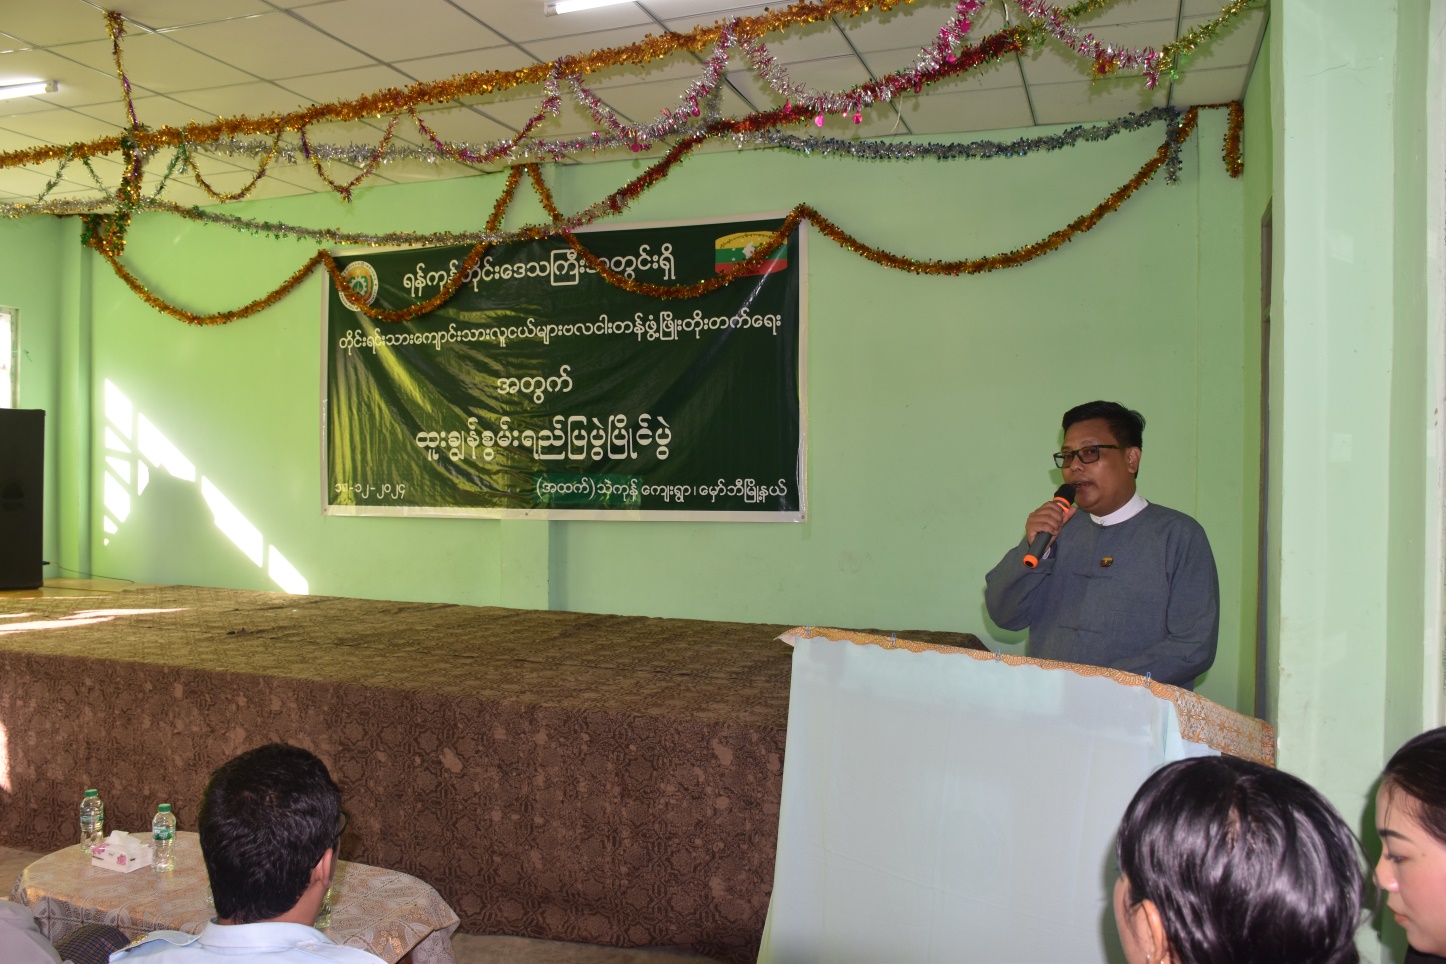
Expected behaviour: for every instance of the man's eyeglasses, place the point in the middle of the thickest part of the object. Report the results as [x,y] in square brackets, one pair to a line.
[1087,454]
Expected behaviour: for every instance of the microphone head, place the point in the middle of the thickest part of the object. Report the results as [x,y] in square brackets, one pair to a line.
[1065,492]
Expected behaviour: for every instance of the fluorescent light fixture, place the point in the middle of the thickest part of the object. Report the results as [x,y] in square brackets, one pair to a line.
[550,7]
[8,91]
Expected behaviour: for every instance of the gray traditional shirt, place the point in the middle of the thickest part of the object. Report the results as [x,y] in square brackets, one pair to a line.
[1139,595]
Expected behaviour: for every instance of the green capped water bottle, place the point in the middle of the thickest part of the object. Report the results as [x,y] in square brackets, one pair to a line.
[163,839]
[92,821]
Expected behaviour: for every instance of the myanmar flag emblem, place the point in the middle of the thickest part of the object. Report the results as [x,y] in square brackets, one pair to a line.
[739,247]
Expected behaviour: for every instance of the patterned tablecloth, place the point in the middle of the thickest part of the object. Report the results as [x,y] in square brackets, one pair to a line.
[383,911]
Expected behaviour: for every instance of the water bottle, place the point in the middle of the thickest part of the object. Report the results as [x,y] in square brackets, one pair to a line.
[163,839]
[92,821]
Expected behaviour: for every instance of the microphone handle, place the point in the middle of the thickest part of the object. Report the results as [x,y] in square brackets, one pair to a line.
[1042,538]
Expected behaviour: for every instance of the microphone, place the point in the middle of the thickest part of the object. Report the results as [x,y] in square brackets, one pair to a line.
[1064,495]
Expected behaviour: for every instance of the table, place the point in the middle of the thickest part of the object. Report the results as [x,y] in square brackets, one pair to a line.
[382,911]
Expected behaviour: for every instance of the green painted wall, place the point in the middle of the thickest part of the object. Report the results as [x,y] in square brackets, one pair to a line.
[933,403]
[1356,494]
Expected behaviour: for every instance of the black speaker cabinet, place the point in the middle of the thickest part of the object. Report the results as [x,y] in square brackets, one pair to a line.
[22,477]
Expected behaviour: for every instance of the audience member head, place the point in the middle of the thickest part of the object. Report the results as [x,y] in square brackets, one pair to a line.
[1223,861]
[269,822]
[1411,818]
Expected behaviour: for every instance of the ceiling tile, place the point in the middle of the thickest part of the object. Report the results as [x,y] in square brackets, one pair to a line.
[523,20]
[252,99]
[1085,101]
[1230,47]
[971,110]
[553,48]
[470,61]
[44,23]
[396,31]
[345,84]
[1201,8]
[1134,11]
[1210,86]
[814,41]
[153,111]
[273,45]
[78,84]
[164,14]
[156,62]
[57,126]
[28,182]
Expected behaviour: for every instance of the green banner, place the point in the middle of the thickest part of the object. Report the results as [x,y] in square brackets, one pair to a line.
[540,390]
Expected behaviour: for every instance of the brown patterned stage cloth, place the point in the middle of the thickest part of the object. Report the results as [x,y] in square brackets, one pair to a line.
[570,776]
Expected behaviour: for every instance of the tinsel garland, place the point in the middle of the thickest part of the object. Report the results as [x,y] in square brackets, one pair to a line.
[107,232]
[393,100]
[324,258]
[1234,161]
[345,189]
[867,149]
[618,199]
[245,191]
[798,214]
[1108,58]
[933,67]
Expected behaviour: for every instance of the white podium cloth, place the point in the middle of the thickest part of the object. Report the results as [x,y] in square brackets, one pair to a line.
[940,808]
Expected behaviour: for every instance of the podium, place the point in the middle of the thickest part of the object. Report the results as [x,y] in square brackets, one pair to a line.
[945,805]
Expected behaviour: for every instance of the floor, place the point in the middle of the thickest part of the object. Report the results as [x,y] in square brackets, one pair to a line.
[469,948]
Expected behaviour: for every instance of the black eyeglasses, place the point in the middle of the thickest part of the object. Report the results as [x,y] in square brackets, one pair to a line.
[1087,454]
[340,829]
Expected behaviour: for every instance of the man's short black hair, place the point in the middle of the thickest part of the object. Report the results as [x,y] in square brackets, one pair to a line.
[1126,424]
[267,817]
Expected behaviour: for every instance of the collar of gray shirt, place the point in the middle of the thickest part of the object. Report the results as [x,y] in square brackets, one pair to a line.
[1124,513]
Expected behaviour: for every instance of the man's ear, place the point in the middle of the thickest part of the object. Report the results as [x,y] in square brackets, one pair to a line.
[324,867]
[1152,929]
[1132,459]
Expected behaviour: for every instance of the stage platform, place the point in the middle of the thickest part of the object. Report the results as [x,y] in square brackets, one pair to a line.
[570,776]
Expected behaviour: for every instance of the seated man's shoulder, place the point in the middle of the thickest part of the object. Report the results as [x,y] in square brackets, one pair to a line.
[165,947]
[154,943]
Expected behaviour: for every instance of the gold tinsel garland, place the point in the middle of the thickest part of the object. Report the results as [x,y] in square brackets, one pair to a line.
[797,215]
[251,185]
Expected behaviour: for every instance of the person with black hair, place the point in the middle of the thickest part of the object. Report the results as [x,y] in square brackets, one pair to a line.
[1125,584]
[1224,861]
[1411,819]
[270,822]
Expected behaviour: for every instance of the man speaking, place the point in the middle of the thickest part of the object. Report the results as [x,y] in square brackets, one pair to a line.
[1122,583]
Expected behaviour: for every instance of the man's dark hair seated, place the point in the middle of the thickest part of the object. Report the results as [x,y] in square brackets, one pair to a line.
[267,818]
[270,822]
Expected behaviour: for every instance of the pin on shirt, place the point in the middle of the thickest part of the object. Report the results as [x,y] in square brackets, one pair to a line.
[1107,561]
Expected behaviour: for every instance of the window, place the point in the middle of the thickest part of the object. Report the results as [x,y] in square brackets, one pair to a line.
[9,352]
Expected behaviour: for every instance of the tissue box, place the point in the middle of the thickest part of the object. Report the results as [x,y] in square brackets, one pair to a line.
[121,852]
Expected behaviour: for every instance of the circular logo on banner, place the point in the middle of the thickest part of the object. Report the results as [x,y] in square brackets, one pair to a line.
[361,285]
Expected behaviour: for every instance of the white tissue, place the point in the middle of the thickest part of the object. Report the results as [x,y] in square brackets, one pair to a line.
[121,852]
